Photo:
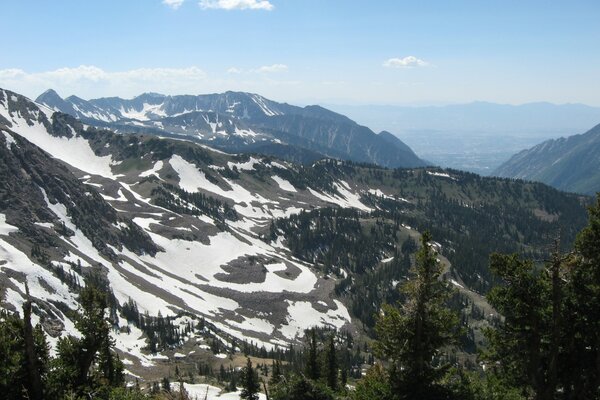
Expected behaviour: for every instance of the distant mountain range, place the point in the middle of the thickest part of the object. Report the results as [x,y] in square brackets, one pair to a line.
[241,122]
[571,164]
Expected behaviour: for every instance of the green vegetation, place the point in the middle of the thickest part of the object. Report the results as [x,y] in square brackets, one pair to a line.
[411,337]
[83,366]
[182,202]
[546,346]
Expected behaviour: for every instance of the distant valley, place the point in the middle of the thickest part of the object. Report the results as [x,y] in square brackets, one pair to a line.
[475,137]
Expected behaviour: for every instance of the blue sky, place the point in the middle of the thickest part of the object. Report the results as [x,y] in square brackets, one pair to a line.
[307,51]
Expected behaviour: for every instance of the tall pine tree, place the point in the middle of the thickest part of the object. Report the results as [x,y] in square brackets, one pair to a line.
[250,383]
[411,337]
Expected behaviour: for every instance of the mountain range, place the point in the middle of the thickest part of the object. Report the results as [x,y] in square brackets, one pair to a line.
[225,249]
[241,122]
[571,164]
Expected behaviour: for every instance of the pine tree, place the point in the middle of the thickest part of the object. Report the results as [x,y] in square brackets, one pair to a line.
[412,336]
[275,373]
[166,384]
[35,387]
[332,364]
[250,383]
[581,375]
[312,365]
[549,343]
[519,345]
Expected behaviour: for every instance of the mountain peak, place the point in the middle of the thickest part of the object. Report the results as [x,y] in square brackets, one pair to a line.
[48,95]
[151,95]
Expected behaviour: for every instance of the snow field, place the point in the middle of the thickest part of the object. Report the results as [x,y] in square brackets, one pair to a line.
[283,184]
[302,315]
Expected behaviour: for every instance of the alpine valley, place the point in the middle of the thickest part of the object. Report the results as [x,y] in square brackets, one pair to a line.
[226,224]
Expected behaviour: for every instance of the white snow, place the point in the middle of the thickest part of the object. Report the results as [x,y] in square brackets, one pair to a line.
[16,260]
[441,174]
[302,315]
[132,343]
[187,259]
[254,324]
[6,228]
[121,197]
[347,199]
[75,151]
[202,391]
[78,240]
[154,171]
[379,193]
[277,165]
[284,184]
[263,106]
[142,115]
[191,179]
[246,166]
[245,132]
[455,283]
[9,140]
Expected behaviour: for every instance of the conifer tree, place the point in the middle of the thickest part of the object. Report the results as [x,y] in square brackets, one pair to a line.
[331,364]
[312,365]
[250,383]
[412,336]
[581,377]
[549,343]
[86,364]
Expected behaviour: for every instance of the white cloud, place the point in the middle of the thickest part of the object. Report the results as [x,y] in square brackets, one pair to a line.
[272,68]
[406,62]
[91,81]
[174,4]
[236,4]
[265,69]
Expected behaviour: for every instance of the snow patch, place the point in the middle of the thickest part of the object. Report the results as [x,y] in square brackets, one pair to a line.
[302,315]
[75,151]
[154,171]
[9,140]
[441,174]
[284,184]
[246,166]
[5,227]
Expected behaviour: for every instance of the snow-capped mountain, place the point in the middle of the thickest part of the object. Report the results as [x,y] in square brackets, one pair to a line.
[99,212]
[183,230]
[241,122]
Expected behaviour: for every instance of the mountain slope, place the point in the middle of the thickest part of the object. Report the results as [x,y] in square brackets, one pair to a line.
[571,164]
[240,122]
[253,247]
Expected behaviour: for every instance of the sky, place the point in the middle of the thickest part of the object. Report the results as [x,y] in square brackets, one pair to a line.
[307,51]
